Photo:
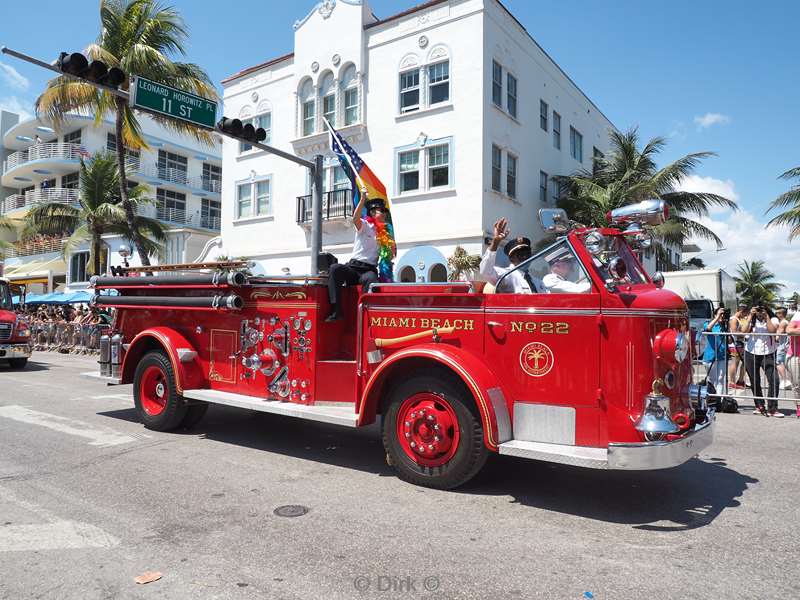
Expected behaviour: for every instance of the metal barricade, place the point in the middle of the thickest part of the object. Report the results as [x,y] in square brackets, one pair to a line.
[749,370]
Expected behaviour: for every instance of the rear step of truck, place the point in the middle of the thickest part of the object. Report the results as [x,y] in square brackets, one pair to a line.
[334,413]
[579,456]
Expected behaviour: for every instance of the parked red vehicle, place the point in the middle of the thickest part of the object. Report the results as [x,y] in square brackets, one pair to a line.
[15,335]
[456,370]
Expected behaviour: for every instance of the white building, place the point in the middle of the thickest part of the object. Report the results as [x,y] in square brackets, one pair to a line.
[42,165]
[463,116]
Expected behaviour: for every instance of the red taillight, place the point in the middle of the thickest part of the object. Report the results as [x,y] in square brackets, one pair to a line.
[671,346]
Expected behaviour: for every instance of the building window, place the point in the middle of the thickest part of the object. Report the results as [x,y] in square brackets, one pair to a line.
[497,168]
[554,190]
[575,144]
[263,121]
[172,167]
[439,82]
[511,95]
[71,181]
[438,166]
[329,109]
[170,206]
[542,187]
[597,156]
[308,117]
[556,130]
[511,175]
[212,177]
[244,201]
[543,112]
[351,106]
[409,91]
[246,192]
[497,84]
[73,138]
[78,264]
[409,171]
[210,213]
[132,157]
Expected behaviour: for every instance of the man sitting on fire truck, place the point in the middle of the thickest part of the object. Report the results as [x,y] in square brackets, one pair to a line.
[565,276]
[362,267]
[518,250]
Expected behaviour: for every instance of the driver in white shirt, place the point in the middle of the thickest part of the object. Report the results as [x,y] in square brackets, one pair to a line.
[562,266]
[518,250]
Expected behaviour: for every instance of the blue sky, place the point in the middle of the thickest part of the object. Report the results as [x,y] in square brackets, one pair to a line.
[718,75]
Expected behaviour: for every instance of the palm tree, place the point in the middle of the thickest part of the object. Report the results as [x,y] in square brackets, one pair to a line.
[791,201]
[754,283]
[628,175]
[139,37]
[8,225]
[100,212]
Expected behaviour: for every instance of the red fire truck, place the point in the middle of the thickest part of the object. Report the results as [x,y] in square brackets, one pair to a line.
[15,335]
[599,379]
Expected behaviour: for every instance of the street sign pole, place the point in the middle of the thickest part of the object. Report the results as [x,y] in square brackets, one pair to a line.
[166,102]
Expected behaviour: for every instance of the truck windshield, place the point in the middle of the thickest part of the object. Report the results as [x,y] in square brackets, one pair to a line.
[614,246]
[554,270]
[5,297]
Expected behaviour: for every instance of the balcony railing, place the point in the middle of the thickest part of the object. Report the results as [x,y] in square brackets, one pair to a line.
[180,216]
[212,184]
[179,176]
[35,246]
[36,197]
[336,204]
[52,151]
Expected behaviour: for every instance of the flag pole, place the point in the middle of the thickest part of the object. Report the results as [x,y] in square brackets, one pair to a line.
[347,156]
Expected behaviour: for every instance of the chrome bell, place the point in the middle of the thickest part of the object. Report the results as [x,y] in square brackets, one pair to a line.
[656,418]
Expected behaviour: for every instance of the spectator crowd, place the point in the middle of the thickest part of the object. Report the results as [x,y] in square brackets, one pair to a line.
[66,328]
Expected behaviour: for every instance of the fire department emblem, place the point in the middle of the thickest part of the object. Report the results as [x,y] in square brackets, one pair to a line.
[536,359]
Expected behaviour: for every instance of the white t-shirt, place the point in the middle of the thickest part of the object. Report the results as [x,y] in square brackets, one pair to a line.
[515,283]
[365,246]
[761,344]
[556,284]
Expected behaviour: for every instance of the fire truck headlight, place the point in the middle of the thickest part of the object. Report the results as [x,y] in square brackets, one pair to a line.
[671,346]
[658,279]
[595,242]
[23,330]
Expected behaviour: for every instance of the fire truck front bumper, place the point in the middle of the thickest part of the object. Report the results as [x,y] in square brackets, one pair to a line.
[663,455]
[15,351]
[643,456]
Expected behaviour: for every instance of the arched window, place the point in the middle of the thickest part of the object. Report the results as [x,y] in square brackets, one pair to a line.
[438,273]
[407,275]
[262,119]
[327,92]
[349,86]
[307,107]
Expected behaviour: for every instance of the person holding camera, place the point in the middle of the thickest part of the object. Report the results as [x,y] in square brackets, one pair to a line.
[715,350]
[759,353]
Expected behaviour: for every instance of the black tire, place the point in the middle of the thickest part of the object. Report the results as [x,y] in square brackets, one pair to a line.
[471,452]
[175,408]
[17,363]
[194,414]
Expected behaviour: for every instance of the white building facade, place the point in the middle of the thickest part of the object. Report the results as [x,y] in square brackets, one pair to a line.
[42,165]
[452,105]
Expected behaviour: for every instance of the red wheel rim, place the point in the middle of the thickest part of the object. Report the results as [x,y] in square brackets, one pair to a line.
[427,429]
[153,391]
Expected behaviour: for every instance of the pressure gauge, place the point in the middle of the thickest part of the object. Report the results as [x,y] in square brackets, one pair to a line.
[307,325]
[297,324]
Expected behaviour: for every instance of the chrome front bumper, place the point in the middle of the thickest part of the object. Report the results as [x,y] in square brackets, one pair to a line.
[663,455]
[15,351]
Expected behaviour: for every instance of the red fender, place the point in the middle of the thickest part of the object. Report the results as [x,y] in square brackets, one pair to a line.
[488,392]
[188,374]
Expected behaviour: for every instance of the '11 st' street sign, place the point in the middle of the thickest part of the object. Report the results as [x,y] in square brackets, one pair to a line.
[173,102]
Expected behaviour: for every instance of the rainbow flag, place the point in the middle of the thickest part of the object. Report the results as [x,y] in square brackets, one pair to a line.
[363,180]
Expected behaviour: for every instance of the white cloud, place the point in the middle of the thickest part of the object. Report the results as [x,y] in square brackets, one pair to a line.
[11,77]
[14,104]
[707,120]
[745,238]
[724,188]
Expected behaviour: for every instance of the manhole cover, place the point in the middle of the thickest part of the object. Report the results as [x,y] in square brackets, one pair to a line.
[291,510]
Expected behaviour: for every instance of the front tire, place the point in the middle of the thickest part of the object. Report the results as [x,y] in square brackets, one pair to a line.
[432,432]
[155,393]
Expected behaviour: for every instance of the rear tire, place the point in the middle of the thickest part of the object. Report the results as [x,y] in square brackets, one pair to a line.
[155,393]
[17,363]
[432,432]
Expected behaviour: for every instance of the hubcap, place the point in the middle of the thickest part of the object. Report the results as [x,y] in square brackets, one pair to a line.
[427,428]
[153,391]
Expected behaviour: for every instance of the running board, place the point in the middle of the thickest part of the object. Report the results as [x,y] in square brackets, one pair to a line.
[108,379]
[578,456]
[336,415]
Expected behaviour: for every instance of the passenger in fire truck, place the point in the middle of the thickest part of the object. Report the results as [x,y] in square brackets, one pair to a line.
[518,250]
[362,268]
[565,277]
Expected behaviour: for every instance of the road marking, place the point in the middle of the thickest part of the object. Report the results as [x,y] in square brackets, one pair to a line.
[111,397]
[98,436]
[53,536]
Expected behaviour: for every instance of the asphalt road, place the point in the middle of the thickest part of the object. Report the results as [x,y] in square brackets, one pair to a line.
[89,500]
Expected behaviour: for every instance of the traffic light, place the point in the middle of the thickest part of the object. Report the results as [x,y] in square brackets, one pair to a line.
[246,132]
[77,64]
